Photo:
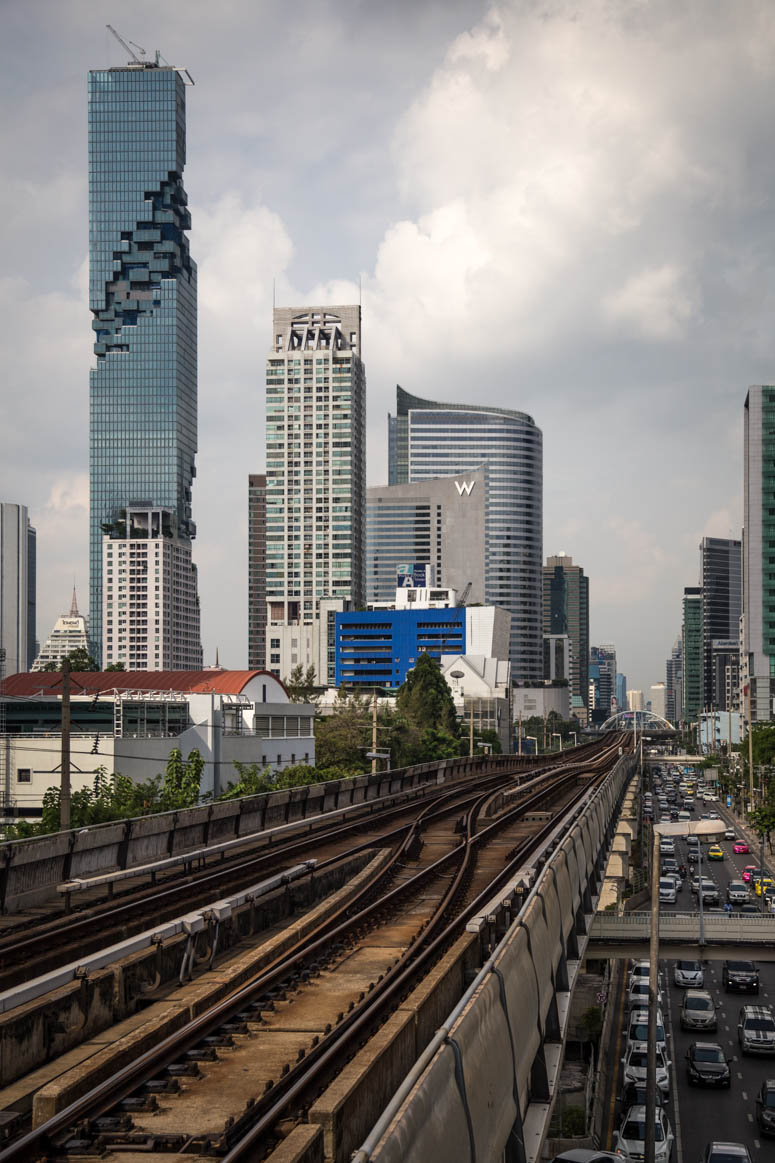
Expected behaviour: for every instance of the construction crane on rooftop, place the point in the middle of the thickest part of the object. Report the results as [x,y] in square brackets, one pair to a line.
[127,45]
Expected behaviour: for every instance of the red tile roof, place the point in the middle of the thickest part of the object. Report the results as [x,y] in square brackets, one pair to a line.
[226,682]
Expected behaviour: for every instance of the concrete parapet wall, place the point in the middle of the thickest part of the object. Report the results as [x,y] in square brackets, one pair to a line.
[489,1075]
[30,870]
[55,1022]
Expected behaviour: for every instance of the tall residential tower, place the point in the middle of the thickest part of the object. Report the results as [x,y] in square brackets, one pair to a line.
[428,440]
[759,551]
[315,483]
[144,608]
[720,563]
[566,611]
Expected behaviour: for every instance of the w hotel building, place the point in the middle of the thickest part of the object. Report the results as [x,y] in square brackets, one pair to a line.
[428,440]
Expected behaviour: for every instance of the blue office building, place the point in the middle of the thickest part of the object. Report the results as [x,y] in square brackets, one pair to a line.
[380,647]
[143,398]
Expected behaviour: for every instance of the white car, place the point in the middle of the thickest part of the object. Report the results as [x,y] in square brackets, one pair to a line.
[688,975]
[638,1029]
[638,994]
[635,1066]
[640,969]
[630,1139]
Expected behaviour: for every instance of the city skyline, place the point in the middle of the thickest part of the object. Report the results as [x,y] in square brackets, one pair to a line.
[638,361]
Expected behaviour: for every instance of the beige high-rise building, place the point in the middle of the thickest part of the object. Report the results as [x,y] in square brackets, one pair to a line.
[315,483]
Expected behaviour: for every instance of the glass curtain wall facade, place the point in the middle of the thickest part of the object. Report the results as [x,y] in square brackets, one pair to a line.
[691,642]
[758,666]
[142,289]
[721,566]
[566,611]
[428,439]
[17,588]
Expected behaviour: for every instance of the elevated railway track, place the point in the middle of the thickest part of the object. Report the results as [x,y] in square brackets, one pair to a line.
[232,1082]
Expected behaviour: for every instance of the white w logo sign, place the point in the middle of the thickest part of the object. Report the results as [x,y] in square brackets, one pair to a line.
[466,487]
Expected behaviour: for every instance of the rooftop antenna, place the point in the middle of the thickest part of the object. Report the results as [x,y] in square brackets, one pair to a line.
[127,46]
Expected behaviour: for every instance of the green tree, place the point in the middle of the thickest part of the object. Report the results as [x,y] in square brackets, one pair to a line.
[181,786]
[115,666]
[300,684]
[426,700]
[79,659]
[342,738]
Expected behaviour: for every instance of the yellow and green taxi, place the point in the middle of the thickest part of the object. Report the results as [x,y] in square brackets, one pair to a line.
[715,852]
[763,881]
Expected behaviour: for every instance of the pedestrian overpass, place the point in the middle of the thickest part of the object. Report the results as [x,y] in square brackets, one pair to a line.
[743,935]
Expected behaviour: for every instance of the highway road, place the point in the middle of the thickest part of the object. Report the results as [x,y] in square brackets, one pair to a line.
[699,1115]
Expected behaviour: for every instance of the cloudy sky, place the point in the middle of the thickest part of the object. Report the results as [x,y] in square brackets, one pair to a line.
[561,207]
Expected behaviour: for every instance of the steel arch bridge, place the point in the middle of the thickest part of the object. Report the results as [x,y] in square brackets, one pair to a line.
[637,720]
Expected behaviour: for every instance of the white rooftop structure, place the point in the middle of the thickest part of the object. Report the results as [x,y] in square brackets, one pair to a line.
[70,632]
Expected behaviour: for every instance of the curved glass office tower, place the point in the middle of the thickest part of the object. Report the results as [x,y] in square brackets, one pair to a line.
[143,402]
[428,439]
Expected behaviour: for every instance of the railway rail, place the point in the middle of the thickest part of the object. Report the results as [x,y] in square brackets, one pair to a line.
[51,943]
[122,1114]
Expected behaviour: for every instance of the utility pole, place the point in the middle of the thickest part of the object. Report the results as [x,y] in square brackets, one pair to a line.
[520,732]
[374,760]
[64,793]
[471,728]
[750,748]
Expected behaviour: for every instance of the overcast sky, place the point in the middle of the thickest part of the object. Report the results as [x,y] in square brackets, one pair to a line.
[564,208]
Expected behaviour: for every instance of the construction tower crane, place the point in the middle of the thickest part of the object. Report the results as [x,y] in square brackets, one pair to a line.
[127,45]
[463,598]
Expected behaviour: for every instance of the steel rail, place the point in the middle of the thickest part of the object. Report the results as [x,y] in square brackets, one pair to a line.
[128,915]
[103,1097]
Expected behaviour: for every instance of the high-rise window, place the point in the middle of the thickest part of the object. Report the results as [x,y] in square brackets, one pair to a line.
[143,399]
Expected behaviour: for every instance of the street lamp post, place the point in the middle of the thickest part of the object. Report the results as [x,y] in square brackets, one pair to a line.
[557,735]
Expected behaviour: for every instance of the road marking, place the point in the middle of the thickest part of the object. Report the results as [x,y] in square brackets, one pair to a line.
[739,1075]
[745,1096]
[750,1117]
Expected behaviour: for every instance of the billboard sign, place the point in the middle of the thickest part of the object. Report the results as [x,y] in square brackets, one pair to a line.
[414,575]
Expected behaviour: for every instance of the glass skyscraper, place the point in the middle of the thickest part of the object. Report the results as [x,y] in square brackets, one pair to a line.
[566,611]
[427,439]
[143,399]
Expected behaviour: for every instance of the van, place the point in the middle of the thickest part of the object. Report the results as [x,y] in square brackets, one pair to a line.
[667,893]
[683,817]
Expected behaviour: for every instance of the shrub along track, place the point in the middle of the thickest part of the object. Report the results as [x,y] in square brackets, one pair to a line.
[232,1082]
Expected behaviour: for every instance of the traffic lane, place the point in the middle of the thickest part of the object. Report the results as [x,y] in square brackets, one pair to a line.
[719,871]
[707,1113]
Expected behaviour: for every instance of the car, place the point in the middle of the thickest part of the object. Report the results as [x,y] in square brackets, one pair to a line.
[749,871]
[762,884]
[718,1152]
[688,974]
[698,1011]
[638,1029]
[635,1062]
[630,1138]
[639,969]
[709,891]
[666,848]
[715,852]
[669,864]
[638,994]
[756,1030]
[740,977]
[634,1093]
[706,1065]
[729,833]
[765,1107]
[737,892]
[586,1155]
[667,890]
[749,907]
[693,855]
[740,848]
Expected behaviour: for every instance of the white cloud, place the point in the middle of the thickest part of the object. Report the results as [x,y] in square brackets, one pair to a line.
[658,303]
